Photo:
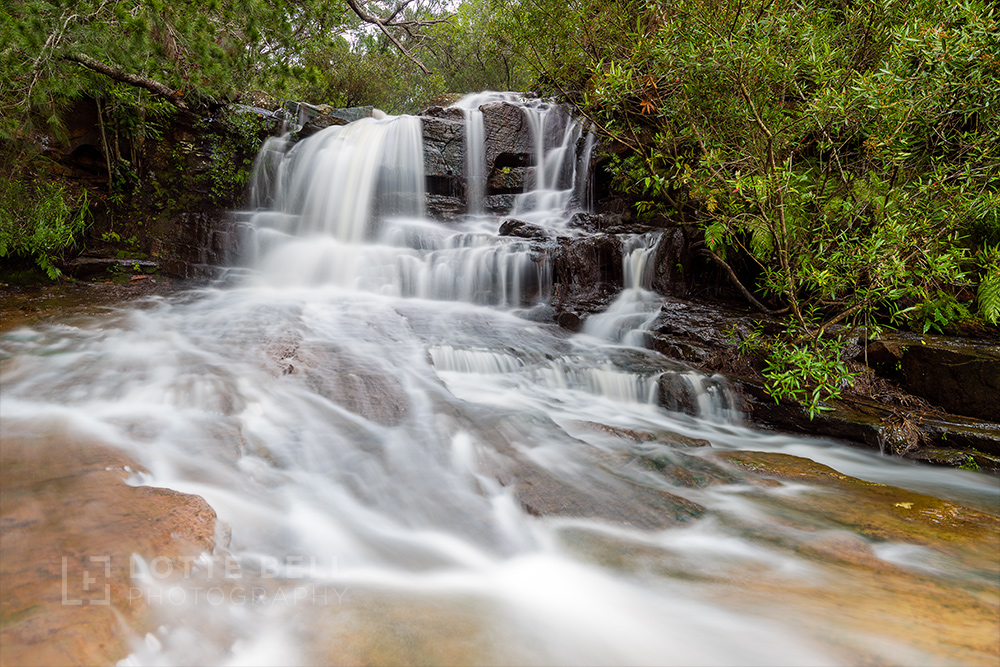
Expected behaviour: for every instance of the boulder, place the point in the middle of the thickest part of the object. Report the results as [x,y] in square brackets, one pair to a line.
[314,125]
[509,141]
[521,229]
[444,146]
[961,377]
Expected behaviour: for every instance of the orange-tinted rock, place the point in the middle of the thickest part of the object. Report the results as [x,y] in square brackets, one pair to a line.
[68,527]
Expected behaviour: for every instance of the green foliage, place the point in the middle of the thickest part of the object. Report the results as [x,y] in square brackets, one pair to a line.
[848,153]
[989,286]
[969,463]
[40,222]
[808,373]
[467,53]
[233,147]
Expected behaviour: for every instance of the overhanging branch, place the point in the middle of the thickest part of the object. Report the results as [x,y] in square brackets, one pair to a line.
[155,87]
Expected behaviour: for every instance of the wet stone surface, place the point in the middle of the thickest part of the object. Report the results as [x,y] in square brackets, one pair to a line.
[68,528]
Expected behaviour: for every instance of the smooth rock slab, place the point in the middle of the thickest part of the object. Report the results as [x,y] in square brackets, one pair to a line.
[64,503]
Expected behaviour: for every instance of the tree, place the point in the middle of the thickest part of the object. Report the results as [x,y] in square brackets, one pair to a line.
[841,159]
[185,52]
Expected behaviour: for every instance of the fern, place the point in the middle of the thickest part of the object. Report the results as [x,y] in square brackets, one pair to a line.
[761,238]
[989,286]
[989,296]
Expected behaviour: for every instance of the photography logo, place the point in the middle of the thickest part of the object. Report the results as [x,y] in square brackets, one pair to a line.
[88,586]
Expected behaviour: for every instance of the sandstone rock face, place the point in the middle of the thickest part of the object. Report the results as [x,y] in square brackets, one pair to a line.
[509,141]
[69,525]
[444,159]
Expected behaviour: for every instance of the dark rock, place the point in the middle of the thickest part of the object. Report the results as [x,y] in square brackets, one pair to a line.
[318,123]
[444,147]
[873,424]
[957,458]
[587,273]
[351,114]
[498,204]
[507,180]
[444,208]
[679,391]
[672,263]
[569,321]
[447,113]
[694,332]
[86,268]
[961,378]
[521,229]
[594,222]
[508,136]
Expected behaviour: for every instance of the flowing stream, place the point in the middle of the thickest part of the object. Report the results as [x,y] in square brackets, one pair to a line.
[413,469]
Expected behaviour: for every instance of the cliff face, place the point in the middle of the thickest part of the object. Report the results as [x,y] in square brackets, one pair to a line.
[159,192]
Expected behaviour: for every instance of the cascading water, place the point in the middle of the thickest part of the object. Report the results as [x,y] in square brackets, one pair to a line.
[628,318]
[465,485]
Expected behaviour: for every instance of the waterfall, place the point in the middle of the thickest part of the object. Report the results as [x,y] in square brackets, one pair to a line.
[630,315]
[342,180]
[410,463]
[475,136]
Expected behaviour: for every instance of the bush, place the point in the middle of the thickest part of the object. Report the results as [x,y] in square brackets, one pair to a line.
[40,222]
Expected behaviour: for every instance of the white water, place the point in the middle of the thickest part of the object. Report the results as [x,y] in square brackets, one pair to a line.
[364,406]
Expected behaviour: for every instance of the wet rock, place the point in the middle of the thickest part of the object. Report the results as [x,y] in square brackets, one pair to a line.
[66,513]
[507,180]
[86,268]
[962,378]
[875,425]
[874,510]
[587,273]
[498,204]
[957,458]
[351,114]
[521,229]
[695,332]
[569,320]
[445,208]
[673,262]
[444,147]
[682,391]
[659,436]
[508,137]
[448,113]
[594,222]
[542,494]
[689,471]
[319,123]
[359,385]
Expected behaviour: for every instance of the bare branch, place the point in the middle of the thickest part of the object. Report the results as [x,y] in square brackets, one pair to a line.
[736,281]
[392,21]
